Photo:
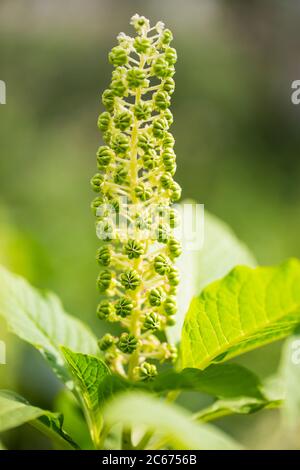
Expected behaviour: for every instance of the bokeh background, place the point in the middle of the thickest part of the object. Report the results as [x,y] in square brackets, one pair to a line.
[237,140]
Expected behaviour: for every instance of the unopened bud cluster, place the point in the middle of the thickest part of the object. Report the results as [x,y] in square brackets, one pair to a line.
[138,279]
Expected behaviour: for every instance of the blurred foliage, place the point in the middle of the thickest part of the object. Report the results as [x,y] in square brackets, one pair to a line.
[236,130]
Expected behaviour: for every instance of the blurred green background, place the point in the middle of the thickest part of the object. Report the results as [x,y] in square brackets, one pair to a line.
[237,140]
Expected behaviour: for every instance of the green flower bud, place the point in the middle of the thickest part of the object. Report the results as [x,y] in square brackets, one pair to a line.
[123,121]
[104,256]
[108,100]
[161,264]
[107,137]
[118,87]
[104,121]
[173,218]
[167,37]
[142,111]
[145,141]
[169,117]
[161,100]
[124,307]
[168,141]
[143,192]
[173,290]
[176,192]
[171,55]
[174,247]
[118,73]
[115,205]
[121,175]
[150,159]
[173,276]
[166,180]
[104,280]
[169,160]
[135,78]
[171,167]
[151,322]
[133,249]
[170,305]
[118,56]
[120,144]
[96,182]
[127,343]
[106,342]
[96,203]
[163,233]
[155,297]
[130,280]
[159,126]
[162,69]
[147,372]
[171,352]
[104,156]
[141,44]
[169,85]
[104,309]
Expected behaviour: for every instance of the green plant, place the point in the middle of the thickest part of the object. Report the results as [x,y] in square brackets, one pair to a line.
[135,183]
[126,394]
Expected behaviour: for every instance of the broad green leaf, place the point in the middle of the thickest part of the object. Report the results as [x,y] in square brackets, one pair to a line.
[41,321]
[221,251]
[88,373]
[15,411]
[220,380]
[247,309]
[241,405]
[290,375]
[167,420]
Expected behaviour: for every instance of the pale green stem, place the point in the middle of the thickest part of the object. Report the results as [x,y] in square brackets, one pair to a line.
[135,321]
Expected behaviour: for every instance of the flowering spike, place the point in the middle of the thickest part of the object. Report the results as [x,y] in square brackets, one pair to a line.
[135,186]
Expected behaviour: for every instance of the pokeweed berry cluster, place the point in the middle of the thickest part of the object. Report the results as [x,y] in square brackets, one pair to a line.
[134,218]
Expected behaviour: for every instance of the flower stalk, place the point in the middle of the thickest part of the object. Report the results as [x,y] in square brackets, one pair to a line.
[134,218]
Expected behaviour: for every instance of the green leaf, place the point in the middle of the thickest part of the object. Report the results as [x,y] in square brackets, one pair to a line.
[220,380]
[89,373]
[221,251]
[290,380]
[15,411]
[167,420]
[242,405]
[245,310]
[41,321]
